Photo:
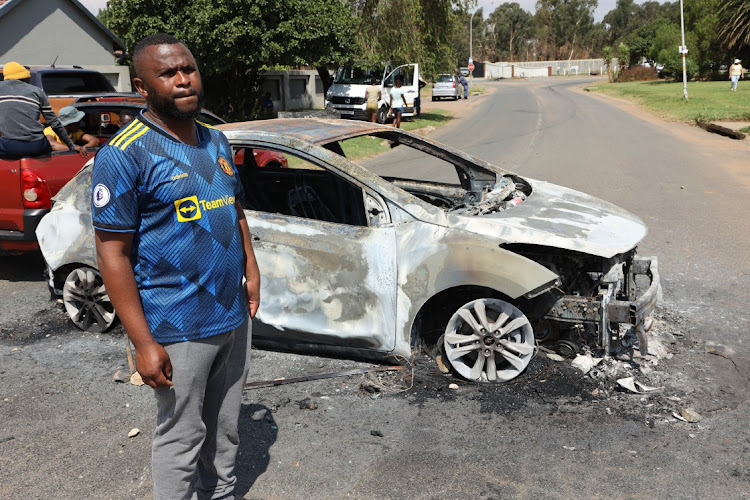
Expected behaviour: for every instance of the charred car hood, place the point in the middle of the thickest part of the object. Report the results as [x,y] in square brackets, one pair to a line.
[555,216]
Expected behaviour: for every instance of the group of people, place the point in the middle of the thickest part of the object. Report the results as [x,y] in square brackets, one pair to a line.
[21,132]
[397,98]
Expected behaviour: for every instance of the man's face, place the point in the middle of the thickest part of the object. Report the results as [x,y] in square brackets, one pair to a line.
[169,79]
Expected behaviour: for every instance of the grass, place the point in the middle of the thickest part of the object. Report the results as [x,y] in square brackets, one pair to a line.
[434,118]
[708,101]
[367,147]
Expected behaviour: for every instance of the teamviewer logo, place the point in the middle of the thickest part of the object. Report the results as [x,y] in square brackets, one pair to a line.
[187,209]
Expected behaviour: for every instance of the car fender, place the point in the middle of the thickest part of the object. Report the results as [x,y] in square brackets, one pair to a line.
[433,258]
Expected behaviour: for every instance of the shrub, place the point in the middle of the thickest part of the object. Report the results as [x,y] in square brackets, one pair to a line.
[638,74]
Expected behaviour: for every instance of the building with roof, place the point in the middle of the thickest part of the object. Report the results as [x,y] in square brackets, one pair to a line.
[60,32]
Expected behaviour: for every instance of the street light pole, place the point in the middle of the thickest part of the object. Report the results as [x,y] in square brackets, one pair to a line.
[683,51]
[471,42]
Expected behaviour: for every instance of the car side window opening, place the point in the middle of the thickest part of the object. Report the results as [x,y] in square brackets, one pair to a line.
[303,189]
[426,172]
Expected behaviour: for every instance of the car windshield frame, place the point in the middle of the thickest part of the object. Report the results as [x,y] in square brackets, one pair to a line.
[355,75]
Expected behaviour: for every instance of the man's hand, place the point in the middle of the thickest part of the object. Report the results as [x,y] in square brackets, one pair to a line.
[82,151]
[152,362]
[252,292]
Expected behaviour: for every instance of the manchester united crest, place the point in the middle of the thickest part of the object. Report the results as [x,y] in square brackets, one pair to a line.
[224,164]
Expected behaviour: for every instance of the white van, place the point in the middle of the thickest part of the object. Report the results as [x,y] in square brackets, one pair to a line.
[347,93]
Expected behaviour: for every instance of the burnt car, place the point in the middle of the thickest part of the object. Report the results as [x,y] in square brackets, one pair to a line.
[423,245]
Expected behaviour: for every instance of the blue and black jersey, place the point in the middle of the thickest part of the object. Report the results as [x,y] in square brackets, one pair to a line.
[179,201]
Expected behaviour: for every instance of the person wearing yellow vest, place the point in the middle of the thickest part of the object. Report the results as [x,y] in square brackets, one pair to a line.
[70,117]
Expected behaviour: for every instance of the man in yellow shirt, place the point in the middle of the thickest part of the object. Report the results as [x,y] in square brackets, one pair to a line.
[70,117]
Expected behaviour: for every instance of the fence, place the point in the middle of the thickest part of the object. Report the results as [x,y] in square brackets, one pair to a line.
[532,69]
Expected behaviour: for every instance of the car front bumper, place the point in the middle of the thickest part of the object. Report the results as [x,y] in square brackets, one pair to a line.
[605,309]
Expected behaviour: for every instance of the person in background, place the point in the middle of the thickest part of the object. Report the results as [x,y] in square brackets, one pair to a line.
[398,101]
[71,117]
[465,84]
[418,99]
[735,73]
[21,132]
[372,97]
[126,116]
[268,104]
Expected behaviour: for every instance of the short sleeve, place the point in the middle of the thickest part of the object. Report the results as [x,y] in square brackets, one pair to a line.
[239,192]
[114,191]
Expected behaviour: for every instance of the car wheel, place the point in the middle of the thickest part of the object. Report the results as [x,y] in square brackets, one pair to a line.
[434,98]
[382,115]
[455,97]
[86,301]
[489,340]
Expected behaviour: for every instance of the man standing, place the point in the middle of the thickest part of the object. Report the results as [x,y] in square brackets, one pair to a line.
[465,84]
[21,133]
[173,246]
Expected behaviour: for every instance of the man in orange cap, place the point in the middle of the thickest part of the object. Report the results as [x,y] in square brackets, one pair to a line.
[21,133]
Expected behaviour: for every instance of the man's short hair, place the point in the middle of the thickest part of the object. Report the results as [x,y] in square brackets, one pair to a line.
[155,39]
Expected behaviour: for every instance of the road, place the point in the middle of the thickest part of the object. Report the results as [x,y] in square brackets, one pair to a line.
[550,434]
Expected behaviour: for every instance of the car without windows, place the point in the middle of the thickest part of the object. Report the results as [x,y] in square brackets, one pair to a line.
[446,86]
[481,266]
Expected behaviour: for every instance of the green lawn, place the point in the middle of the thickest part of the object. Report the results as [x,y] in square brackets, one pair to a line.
[708,101]
[434,118]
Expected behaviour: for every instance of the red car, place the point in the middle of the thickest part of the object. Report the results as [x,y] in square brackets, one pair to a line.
[28,185]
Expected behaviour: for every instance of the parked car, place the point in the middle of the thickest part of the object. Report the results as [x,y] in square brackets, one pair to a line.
[464,70]
[482,268]
[64,84]
[446,86]
[28,185]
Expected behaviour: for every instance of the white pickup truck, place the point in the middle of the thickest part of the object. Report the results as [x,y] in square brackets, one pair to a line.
[347,93]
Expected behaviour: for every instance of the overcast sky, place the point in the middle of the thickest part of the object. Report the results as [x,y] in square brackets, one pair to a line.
[489,5]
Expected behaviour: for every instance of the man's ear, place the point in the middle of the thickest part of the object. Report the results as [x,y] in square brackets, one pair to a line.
[139,87]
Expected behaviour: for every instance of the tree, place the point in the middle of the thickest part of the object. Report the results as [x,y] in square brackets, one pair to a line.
[621,19]
[562,24]
[511,24]
[234,40]
[734,23]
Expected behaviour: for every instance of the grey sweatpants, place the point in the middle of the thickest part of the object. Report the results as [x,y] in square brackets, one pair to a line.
[196,438]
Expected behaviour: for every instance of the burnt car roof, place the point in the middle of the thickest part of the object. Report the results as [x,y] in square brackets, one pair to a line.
[313,130]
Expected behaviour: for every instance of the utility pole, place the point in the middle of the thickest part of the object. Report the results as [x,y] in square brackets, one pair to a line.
[683,51]
[471,43]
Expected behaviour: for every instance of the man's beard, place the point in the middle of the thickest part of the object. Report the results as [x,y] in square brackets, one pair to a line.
[167,107]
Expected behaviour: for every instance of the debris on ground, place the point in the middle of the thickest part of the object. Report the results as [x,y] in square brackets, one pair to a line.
[120,376]
[134,432]
[136,379]
[259,415]
[555,357]
[307,404]
[376,434]
[690,415]
[585,362]
[441,364]
[453,386]
[636,387]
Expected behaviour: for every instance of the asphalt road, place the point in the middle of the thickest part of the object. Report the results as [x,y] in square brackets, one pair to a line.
[550,434]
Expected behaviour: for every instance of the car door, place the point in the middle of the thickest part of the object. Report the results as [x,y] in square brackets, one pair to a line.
[326,250]
[410,85]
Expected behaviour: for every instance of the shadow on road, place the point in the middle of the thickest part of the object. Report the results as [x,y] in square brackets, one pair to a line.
[19,268]
[256,439]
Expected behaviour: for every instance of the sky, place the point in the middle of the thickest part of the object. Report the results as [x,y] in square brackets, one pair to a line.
[489,5]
